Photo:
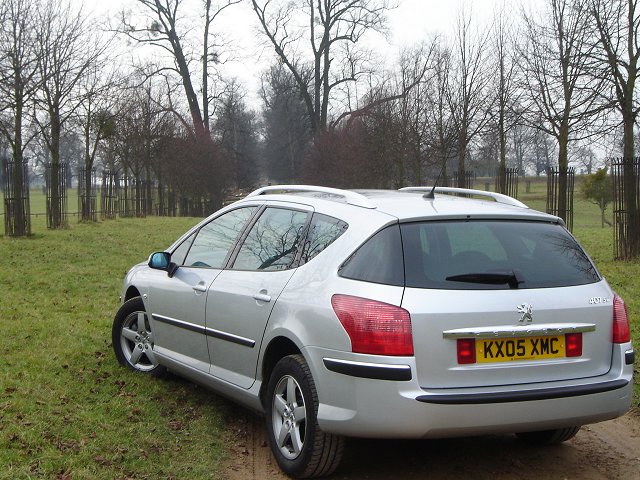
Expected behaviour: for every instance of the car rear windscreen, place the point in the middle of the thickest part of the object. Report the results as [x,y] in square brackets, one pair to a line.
[472,255]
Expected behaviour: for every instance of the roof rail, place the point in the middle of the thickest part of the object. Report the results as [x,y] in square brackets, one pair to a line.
[498,197]
[351,197]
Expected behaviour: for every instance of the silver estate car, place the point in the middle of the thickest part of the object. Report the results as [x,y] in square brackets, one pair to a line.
[421,313]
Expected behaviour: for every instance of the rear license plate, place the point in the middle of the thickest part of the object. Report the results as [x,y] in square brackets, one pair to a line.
[514,349]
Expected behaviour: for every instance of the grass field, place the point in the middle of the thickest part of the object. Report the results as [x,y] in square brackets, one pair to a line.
[67,410]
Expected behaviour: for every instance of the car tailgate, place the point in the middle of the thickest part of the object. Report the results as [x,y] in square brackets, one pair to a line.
[519,335]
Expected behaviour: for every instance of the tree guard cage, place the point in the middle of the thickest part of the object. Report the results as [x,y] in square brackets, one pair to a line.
[468,178]
[626,207]
[154,195]
[198,207]
[507,181]
[166,201]
[56,187]
[172,202]
[160,206]
[184,207]
[553,193]
[87,205]
[109,194]
[133,201]
[17,214]
[139,195]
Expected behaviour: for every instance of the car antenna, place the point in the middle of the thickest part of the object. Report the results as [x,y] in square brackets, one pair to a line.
[432,194]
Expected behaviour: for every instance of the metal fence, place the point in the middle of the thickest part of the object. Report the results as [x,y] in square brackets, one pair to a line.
[109,194]
[17,215]
[507,181]
[467,179]
[56,189]
[87,204]
[626,207]
[554,177]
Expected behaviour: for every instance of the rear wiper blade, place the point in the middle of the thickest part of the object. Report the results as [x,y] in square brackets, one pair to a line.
[488,278]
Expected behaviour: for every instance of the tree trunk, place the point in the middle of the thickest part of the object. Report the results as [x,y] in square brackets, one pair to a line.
[462,152]
[55,214]
[86,210]
[563,164]
[632,212]
[19,220]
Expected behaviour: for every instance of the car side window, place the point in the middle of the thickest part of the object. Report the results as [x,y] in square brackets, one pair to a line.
[272,243]
[324,230]
[215,239]
[378,260]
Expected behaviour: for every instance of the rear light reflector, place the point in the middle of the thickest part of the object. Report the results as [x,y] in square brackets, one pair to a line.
[621,332]
[374,327]
[466,350]
[573,344]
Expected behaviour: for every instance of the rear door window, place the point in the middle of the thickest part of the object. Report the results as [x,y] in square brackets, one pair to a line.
[273,241]
[471,255]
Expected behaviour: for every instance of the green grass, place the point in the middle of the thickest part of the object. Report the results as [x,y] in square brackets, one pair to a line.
[66,406]
[68,410]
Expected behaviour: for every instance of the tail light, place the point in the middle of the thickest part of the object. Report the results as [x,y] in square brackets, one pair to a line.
[374,327]
[621,332]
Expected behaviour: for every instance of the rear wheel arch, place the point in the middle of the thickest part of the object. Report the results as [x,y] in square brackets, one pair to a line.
[300,447]
[277,349]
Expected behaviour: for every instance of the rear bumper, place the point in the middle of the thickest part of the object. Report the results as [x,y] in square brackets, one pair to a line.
[525,395]
[355,404]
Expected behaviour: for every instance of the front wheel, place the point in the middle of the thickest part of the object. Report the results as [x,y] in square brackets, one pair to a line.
[548,437]
[300,447]
[132,338]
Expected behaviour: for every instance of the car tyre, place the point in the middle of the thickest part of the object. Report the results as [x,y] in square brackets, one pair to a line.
[300,447]
[132,339]
[549,437]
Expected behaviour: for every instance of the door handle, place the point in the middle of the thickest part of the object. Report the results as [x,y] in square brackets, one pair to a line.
[262,297]
[201,287]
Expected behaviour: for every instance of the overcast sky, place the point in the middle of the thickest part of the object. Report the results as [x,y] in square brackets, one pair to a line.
[411,22]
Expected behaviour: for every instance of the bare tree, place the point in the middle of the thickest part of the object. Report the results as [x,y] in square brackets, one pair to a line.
[332,57]
[586,157]
[521,145]
[468,96]
[66,50]
[544,151]
[161,28]
[237,134]
[18,84]
[96,117]
[286,125]
[415,128]
[618,26]
[562,96]
[442,139]
[141,122]
[505,88]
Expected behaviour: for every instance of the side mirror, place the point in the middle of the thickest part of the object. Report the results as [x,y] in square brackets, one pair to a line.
[162,261]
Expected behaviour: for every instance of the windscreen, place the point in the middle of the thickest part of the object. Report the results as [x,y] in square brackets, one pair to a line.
[473,255]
